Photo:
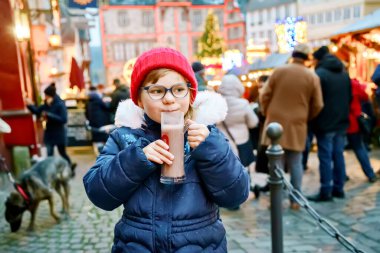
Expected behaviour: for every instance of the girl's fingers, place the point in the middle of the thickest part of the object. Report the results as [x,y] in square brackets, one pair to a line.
[162,144]
[161,148]
[159,158]
[194,144]
[153,158]
[195,138]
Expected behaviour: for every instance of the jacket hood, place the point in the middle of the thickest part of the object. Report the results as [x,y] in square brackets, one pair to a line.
[332,63]
[231,86]
[209,108]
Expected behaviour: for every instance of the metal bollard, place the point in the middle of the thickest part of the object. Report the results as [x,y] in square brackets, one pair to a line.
[275,153]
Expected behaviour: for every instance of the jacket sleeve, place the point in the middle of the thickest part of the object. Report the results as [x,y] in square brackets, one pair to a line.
[36,110]
[117,173]
[60,117]
[226,180]
[316,103]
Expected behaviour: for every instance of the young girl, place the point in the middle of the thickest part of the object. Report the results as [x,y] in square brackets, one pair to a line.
[158,217]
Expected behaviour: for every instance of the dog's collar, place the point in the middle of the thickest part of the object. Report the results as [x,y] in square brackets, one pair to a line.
[23,193]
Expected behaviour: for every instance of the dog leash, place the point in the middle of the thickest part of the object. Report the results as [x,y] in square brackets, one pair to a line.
[17,186]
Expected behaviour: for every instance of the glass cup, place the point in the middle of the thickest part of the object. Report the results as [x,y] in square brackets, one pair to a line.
[172,124]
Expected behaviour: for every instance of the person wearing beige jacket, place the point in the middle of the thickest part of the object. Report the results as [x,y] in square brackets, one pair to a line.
[240,117]
[292,96]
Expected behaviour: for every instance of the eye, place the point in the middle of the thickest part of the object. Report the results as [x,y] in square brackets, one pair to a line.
[179,88]
[156,90]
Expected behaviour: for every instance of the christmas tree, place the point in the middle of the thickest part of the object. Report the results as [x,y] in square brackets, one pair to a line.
[210,44]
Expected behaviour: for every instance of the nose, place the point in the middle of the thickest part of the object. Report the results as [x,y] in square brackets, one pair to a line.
[168,98]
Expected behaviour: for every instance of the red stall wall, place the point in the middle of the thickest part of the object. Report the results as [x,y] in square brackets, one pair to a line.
[11,95]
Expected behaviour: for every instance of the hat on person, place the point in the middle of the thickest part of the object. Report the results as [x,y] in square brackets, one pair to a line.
[161,58]
[302,48]
[301,51]
[197,66]
[51,90]
[321,52]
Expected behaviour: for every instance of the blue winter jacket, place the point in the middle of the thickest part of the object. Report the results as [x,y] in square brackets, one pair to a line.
[180,218]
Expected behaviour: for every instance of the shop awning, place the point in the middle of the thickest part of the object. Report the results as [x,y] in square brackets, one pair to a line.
[271,61]
[366,23]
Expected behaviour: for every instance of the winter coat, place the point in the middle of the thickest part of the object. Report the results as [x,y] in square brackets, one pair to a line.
[240,117]
[167,218]
[119,94]
[376,75]
[292,96]
[358,96]
[98,115]
[56,119]
[336,92]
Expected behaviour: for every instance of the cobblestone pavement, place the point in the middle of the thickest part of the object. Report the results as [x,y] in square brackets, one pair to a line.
[91,230]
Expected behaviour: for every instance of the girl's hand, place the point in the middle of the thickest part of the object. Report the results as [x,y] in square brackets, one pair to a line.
[196,134]
[157,152]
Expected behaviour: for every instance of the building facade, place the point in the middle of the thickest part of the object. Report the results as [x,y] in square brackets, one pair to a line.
[262,17]
[325,22]
[128,29]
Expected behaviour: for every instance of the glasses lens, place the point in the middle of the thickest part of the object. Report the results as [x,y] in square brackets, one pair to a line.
[180,90]
[156,92]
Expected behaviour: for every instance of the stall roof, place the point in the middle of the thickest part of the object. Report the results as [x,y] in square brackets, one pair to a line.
[368,22]
[272,61]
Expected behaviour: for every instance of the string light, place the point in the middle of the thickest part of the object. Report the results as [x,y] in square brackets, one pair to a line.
[290,32]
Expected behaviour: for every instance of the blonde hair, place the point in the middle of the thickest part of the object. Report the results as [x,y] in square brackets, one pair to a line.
[155,75]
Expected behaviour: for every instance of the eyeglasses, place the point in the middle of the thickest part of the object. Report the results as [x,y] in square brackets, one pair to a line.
[157,92]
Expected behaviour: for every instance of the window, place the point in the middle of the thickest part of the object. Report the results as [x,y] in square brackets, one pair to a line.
[118,52]
[147,18]
[269,16]
[357,11]
[122,18]
[287,10]
[197,18]
[231,16]
[328,17]
[346,13]
[261,34]
[269,35]
[130,50]
[312,19]
[337,15]
[278,15]
[320,18]
[236,32]
[260,17]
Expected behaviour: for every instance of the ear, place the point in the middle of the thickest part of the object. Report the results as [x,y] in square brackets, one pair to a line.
[140,104]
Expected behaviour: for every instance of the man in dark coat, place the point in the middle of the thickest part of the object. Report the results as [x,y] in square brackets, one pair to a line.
[55,114]
[331,124]
[120,93]
[97,113]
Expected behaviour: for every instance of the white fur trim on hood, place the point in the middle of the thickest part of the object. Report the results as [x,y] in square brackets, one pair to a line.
[209,108]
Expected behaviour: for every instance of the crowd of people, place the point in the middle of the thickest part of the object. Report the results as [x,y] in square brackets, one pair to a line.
[321,103]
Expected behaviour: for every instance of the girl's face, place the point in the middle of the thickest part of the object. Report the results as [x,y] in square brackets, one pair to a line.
[168,103]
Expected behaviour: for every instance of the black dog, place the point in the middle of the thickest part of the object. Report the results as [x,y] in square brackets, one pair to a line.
[36,184]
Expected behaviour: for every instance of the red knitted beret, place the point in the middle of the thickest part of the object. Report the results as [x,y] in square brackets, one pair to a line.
[161,58]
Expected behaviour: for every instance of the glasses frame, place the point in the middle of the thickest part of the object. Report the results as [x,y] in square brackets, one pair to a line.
[146,88]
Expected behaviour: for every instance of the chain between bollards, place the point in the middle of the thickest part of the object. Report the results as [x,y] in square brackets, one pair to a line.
[277,180]
[321,221]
